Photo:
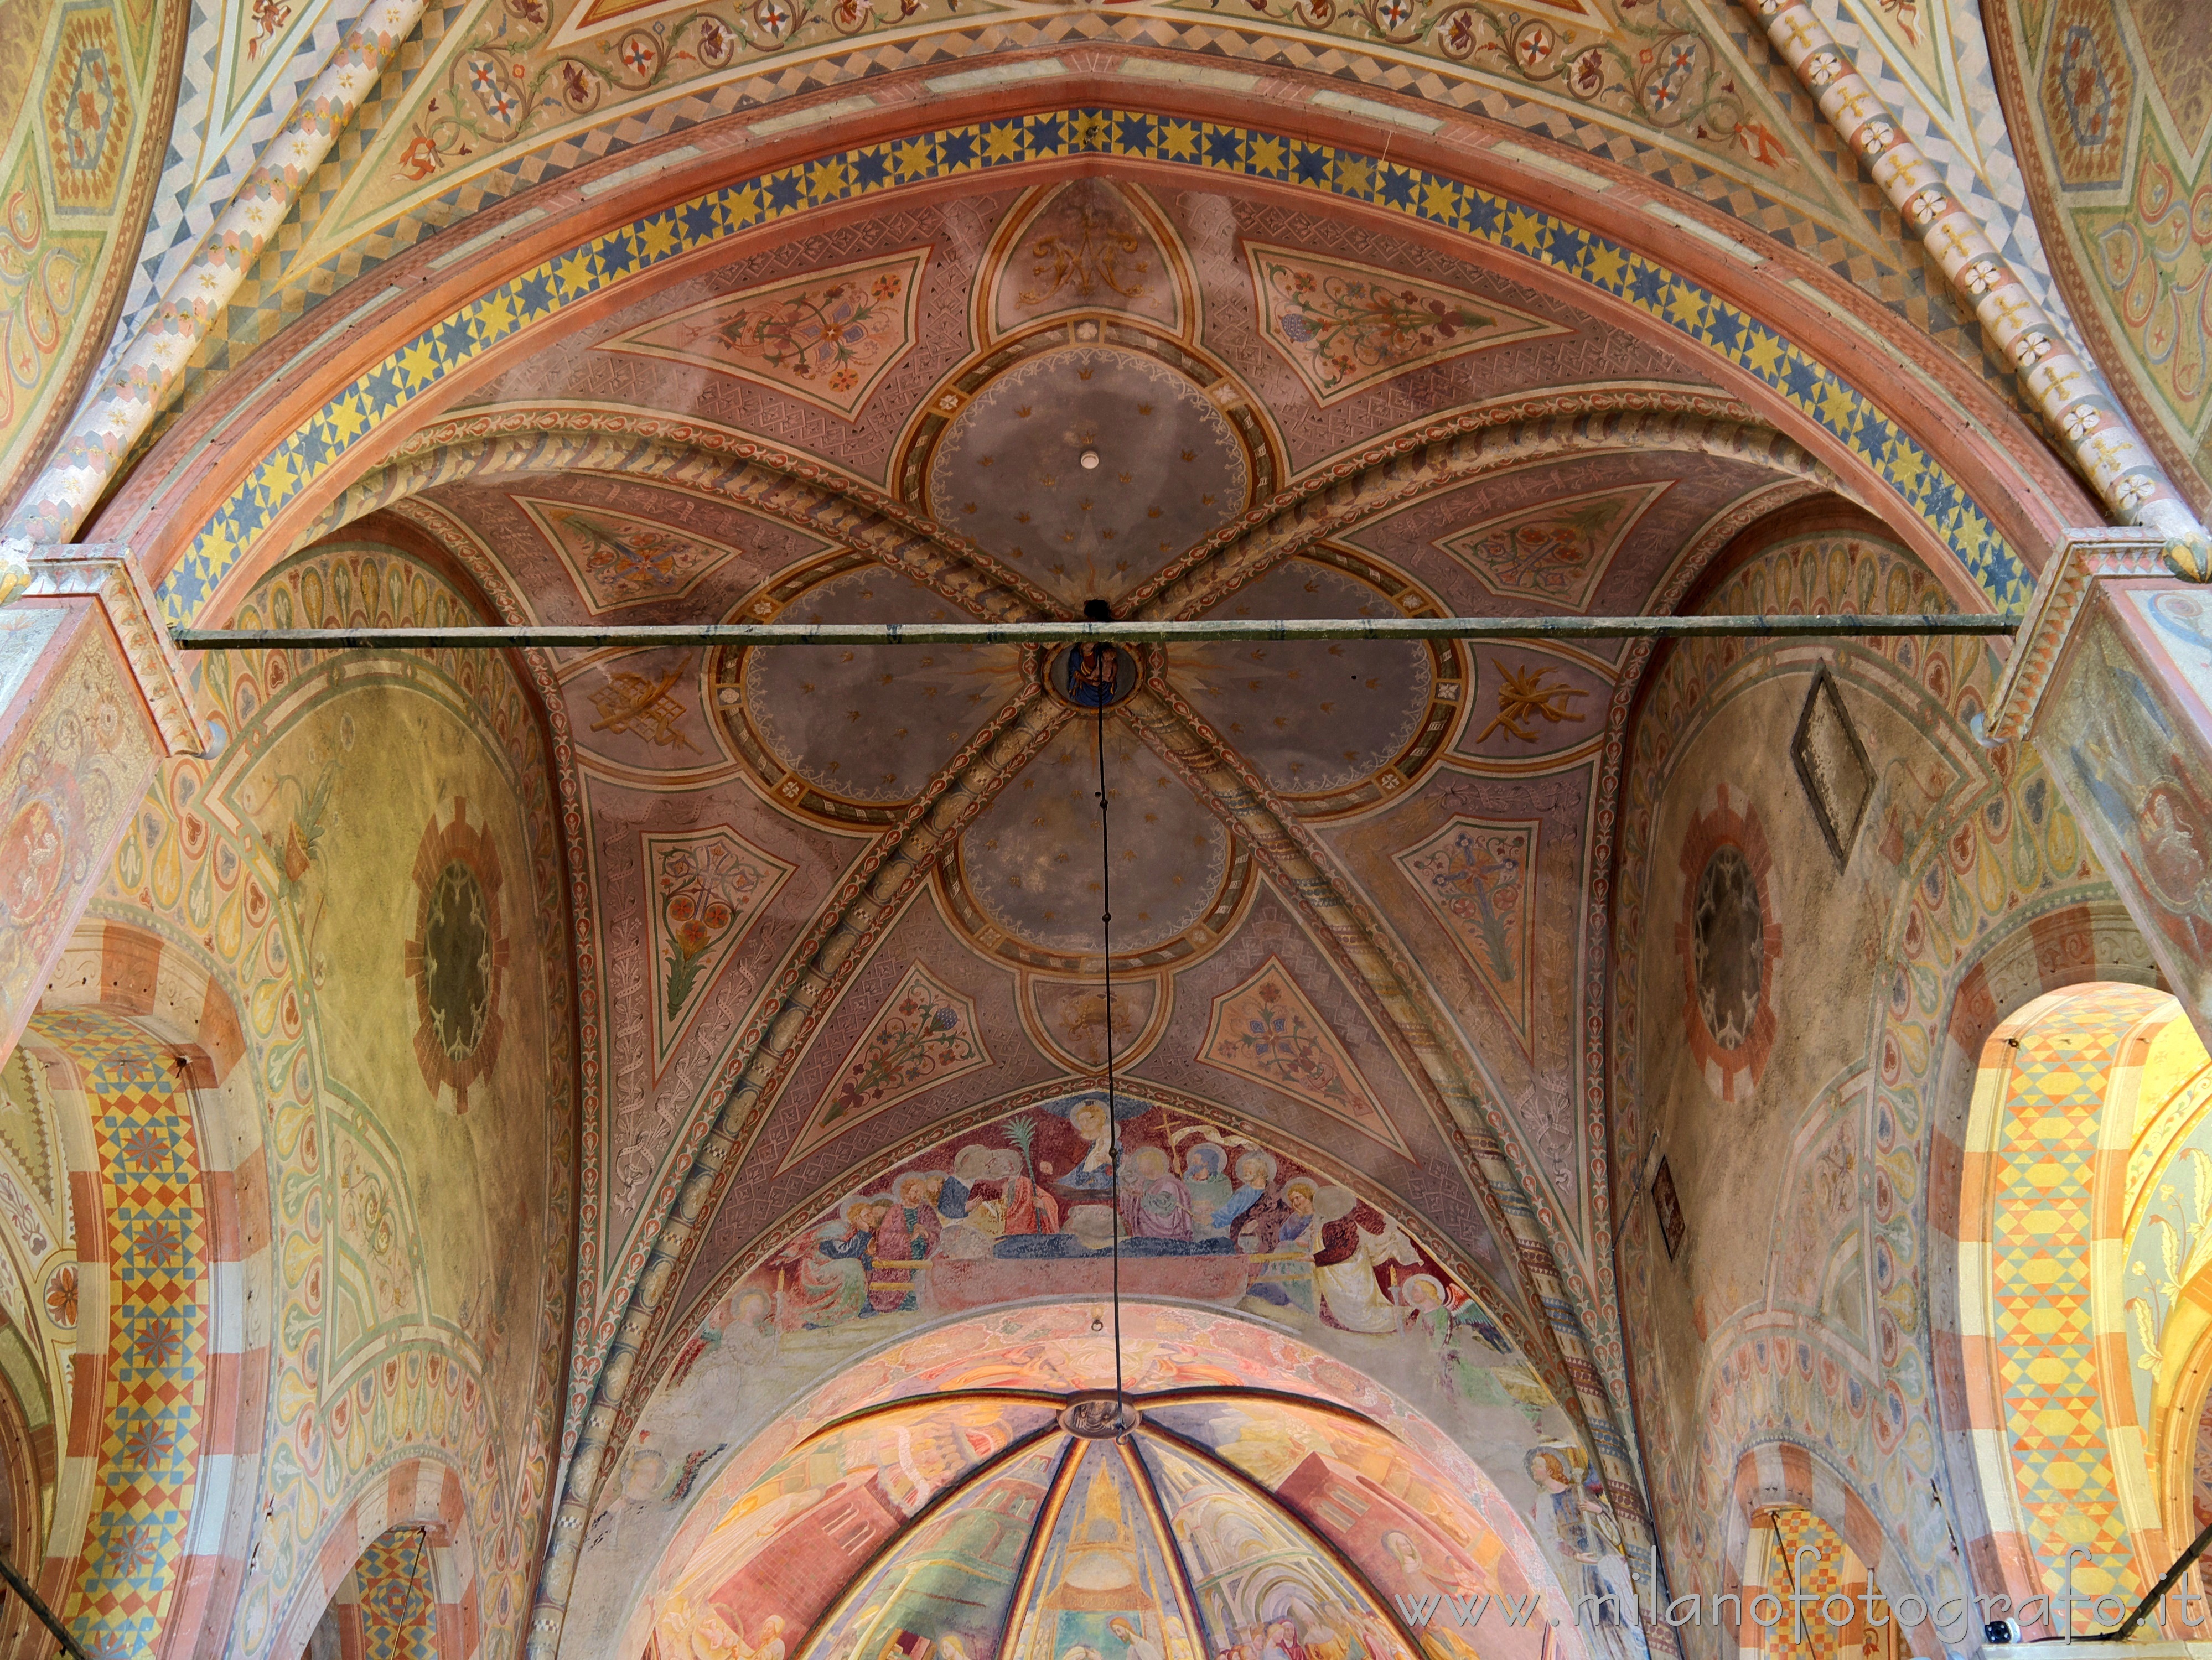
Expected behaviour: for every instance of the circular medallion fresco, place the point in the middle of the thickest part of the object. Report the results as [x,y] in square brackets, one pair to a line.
[458,957]
[1320,717]
[1010,469]
[1091,676]
[1727,928]
[1025,882]
[1729,944]
[457,968]
[864,726]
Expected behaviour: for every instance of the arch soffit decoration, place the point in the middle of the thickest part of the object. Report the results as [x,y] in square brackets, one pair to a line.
[1787,1475]
[418,1492]
[2088,1040]
[163,994]
[1686,294]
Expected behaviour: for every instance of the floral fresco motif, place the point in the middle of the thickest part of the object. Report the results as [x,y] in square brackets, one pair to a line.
[87,109]
[1730,943]
[926,1036]
[619,559]
[2088,86]
[1477,878]
[828,338]
[1266,1030]
[1344,328]
[709,887]
[1556,553]
[2148,254]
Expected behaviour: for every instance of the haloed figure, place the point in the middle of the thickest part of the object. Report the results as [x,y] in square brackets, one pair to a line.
[1092,670]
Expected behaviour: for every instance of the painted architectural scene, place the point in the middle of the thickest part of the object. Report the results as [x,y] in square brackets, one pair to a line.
[1010,830]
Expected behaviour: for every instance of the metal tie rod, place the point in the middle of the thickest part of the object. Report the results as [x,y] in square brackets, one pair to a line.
[1115,633]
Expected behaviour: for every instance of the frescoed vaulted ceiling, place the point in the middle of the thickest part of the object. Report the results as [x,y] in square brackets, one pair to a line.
[605,313]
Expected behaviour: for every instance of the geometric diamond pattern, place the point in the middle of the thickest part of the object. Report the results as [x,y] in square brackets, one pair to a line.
[158,1295]
[1821,1574]
[2042,1329]
[1672,302]
[394,1578]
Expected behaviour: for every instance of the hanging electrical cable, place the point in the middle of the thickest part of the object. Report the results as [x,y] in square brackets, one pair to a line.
[1113,1118]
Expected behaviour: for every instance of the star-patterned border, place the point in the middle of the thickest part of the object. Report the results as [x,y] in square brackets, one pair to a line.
[322,442]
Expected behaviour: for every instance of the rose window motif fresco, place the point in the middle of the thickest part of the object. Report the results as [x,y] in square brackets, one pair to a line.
[458,957]
[1730,942]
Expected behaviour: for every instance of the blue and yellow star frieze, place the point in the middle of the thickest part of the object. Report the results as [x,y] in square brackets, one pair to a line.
[324,439]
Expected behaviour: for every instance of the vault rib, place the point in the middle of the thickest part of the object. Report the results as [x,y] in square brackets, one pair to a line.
[1335,503]
[871,895]
[814,497]
[1306,874]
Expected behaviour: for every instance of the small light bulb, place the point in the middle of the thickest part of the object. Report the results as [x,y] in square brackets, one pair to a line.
[1090,459]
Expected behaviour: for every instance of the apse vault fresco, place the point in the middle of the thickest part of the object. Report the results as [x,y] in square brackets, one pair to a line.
[632,1150]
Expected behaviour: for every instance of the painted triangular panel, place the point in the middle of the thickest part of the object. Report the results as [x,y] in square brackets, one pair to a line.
[924,1035]
[1086,246]
[1557,552]
[705,890]
[1267,1030]
[1478,878]
[830,336]
[620,559]
[1344,328]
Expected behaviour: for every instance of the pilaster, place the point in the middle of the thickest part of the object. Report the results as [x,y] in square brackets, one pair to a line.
[92,700]
[2110,679]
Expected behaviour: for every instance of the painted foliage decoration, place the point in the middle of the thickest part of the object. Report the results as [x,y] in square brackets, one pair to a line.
[1344,328]
[458,957]
[621,559]
[1557,553]
[708,888]
[925,1035]
[828,338]
[1477,878]
[1269,1030]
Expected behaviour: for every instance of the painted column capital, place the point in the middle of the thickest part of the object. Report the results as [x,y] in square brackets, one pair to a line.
[105,571]
[2055,610]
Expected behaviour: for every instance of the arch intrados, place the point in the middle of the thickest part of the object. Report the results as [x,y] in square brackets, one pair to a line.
[455,1619]
[1780,1474]
[2030,508]
[817,1410]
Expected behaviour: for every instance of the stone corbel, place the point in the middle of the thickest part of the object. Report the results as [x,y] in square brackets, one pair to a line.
[105,572]
[2060,599]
